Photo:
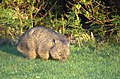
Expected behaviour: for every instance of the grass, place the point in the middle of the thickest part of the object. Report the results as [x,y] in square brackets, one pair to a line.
[83,63]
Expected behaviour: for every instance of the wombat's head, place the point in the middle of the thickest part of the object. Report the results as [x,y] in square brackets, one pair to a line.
[22,47]
[61,50]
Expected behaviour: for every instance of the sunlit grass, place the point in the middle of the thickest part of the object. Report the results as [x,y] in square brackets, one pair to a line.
[83,63]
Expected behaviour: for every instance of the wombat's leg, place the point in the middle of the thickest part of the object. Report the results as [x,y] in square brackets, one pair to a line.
[31,55]
[44,55]
[44,49]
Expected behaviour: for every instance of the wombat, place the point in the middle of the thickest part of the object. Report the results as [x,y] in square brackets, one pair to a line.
[44,43]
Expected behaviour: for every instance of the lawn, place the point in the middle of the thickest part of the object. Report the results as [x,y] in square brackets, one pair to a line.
[83,63]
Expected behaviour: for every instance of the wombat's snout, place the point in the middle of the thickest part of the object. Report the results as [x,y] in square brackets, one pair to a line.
[64,56]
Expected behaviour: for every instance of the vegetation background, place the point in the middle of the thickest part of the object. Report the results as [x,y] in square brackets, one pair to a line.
[79,20]
[92,27]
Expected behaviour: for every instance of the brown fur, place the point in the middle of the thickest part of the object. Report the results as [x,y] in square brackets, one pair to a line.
[43,42]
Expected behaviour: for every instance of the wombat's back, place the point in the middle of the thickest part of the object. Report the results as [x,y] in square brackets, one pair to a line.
[42,32]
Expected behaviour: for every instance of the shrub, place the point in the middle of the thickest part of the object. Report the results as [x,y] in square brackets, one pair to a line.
[17,16]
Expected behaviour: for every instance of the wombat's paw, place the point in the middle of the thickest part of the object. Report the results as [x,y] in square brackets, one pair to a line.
[62,57]
[31,55]
[55,56]
[44,55]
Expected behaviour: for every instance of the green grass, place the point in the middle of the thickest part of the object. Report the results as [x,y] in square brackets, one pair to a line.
[83,63]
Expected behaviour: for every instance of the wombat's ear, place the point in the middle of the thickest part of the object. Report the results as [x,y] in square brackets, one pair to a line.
[54,41]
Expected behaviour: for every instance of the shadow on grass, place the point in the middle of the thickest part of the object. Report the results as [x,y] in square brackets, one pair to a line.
[11,50]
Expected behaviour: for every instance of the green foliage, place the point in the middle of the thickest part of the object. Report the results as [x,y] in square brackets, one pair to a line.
[81,35]
[18,15]
[58,24]
[103,24]
[86,40]
[115,32]
[72,25]
[7,21]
